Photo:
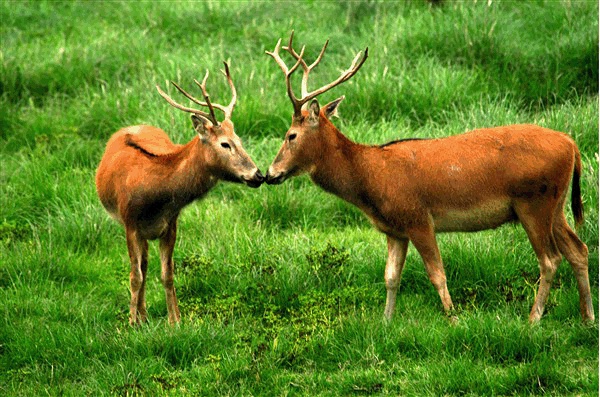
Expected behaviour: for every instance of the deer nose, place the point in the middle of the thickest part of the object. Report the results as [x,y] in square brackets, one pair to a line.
[259,176]
[273,180]
[256,180]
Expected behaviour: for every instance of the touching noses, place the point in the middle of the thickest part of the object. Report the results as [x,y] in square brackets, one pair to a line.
[255,180]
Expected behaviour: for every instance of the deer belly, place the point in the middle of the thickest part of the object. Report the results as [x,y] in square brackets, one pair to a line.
[153,222]
[482,216]
[155,229]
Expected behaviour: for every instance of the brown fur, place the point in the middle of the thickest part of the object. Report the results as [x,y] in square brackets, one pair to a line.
[478,180]
[144,180]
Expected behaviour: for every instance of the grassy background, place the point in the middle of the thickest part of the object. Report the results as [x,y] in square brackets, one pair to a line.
[281,288]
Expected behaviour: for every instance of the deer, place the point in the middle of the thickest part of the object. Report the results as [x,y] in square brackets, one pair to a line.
[144,180]
[412,189]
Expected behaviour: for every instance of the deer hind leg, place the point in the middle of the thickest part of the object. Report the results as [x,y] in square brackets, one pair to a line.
[424,241]
[393,272]
[166,246]
[141,304]
[576,253]
[138,256]
[536,219]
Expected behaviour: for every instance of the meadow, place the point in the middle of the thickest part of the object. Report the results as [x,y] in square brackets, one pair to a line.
[281,288]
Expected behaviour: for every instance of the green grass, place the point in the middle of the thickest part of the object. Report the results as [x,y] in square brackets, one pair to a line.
[281,288]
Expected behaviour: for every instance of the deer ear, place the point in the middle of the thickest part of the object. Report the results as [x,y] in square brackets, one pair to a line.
[313,113]
[202,126]
[331,108]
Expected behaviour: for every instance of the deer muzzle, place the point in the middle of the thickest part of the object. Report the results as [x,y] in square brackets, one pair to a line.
[275,178]
[256,180]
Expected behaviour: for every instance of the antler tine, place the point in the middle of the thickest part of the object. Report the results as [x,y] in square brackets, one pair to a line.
[206,97]
[187,95]
[277,58]
[229,108]
[354,67]
[316,62]
[179,106]
[291,40]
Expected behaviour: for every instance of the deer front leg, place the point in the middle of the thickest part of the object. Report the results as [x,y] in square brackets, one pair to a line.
[166,246]
[423,239]
[393,272]
[138,256]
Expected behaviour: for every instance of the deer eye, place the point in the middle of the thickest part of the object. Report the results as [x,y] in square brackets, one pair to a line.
[225,145]
[291,137]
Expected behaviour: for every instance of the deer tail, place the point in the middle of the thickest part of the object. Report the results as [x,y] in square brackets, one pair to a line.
[576,203]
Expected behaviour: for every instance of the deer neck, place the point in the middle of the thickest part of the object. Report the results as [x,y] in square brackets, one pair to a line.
[336,168]
[190,178]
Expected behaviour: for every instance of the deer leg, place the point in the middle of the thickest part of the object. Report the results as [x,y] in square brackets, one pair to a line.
[138,256]
[393,272]
[166,246]
[424,241]
[536,219]
[576,253]
[141,304]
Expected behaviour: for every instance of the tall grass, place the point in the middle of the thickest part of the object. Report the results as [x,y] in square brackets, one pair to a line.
[281,288]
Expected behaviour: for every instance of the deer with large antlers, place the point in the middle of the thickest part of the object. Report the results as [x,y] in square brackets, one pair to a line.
[144,180]
[413,189]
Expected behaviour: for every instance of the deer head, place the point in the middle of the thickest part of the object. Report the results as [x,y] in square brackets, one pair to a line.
[310,122]
[226,157]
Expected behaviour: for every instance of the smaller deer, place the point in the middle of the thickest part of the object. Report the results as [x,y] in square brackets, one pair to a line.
[144,180]
[413,189]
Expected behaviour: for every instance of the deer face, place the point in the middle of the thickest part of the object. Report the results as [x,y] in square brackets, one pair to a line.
[293,157]
[303,143]
[227,157]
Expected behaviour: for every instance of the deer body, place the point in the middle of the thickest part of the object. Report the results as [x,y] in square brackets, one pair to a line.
[144,181]
[443,180]
[413,189]
[151,204]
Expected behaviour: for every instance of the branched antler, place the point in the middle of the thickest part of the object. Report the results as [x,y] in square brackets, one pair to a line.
[307,69]
[227,110]
[298,103]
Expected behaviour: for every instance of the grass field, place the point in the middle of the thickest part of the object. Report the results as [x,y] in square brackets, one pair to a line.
[281,289]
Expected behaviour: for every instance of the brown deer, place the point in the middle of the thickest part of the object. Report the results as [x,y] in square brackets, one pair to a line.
[412,189]
[144,180]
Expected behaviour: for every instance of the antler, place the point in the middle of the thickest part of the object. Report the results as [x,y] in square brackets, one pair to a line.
[307,96]
[307,69]
[227,110]
[288,72]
